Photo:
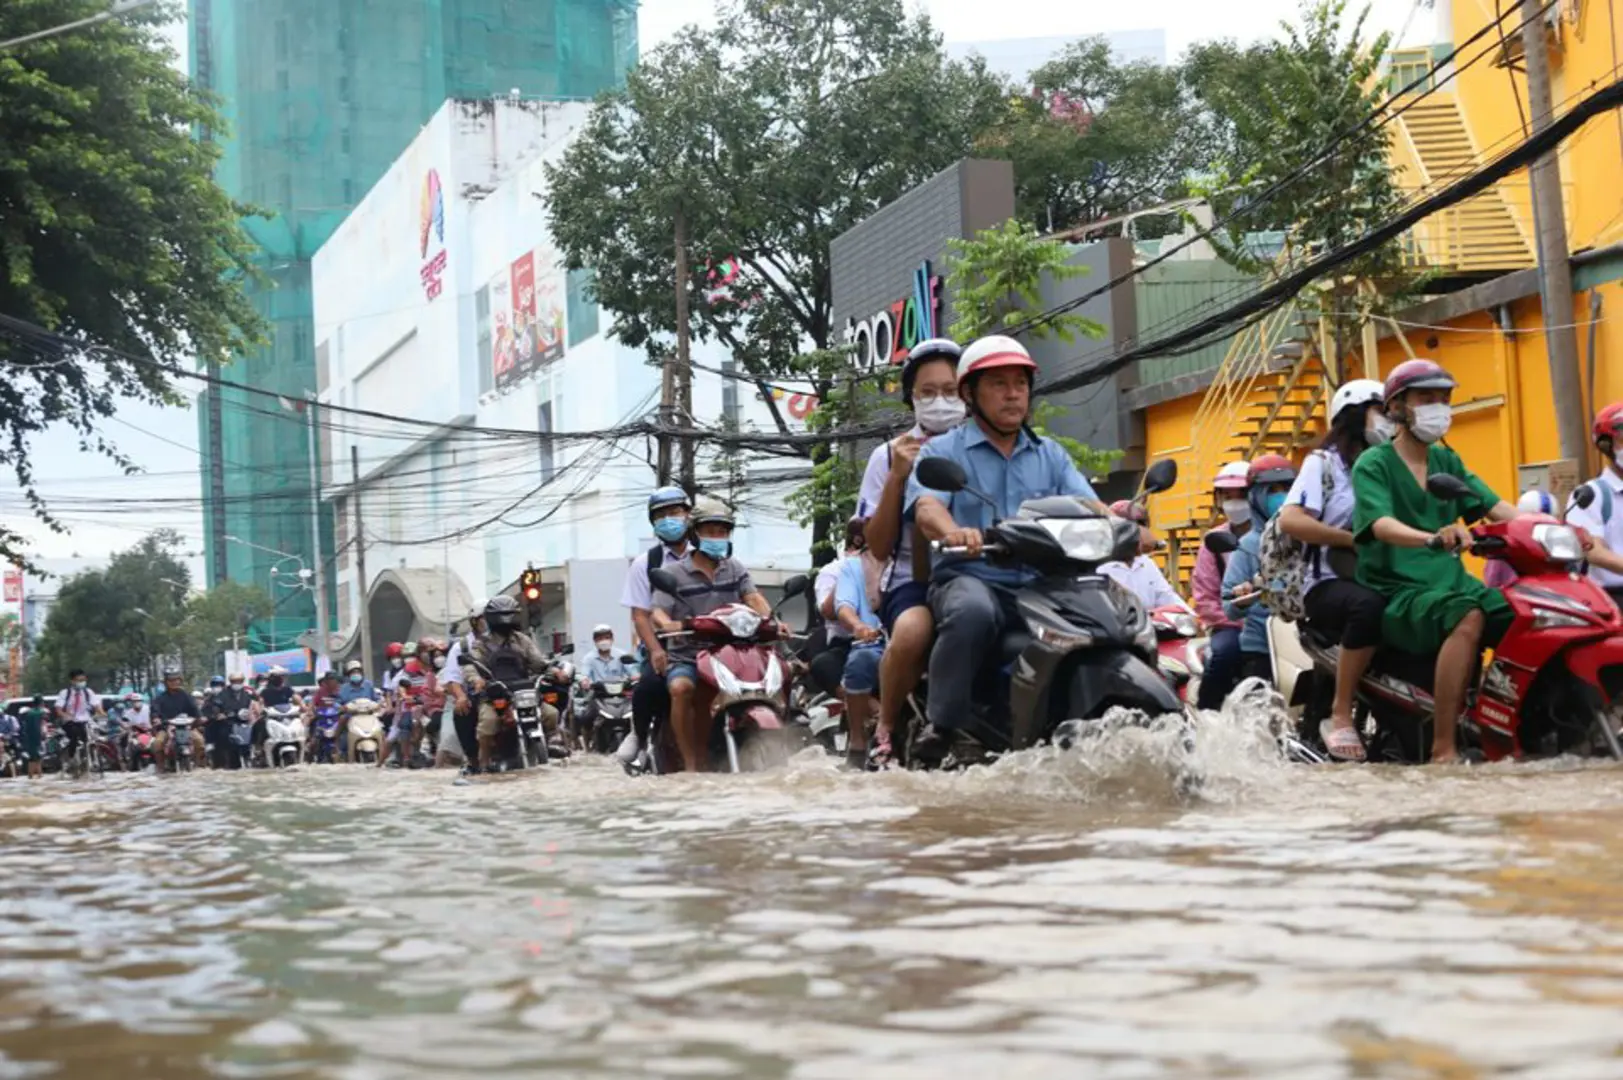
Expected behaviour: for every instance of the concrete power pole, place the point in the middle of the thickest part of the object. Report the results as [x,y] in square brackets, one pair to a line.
[360,560]
[684,364]
[315,524]
[1554,259]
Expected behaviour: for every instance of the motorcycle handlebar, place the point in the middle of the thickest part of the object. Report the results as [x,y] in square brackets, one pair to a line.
[990,548]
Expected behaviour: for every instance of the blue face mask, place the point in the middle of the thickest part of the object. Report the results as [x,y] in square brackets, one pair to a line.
[671,529]
[1273,503]
[355,679]
[715,549]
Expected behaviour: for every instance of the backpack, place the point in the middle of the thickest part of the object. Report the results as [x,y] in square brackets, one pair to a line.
[1284,561]
[507,663]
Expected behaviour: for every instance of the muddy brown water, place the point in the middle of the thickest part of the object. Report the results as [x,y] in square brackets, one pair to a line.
[1052,916]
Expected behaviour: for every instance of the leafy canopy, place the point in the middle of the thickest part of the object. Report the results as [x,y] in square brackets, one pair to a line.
[112,230]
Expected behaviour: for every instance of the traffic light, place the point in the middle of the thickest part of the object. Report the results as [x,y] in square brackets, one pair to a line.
[530,585]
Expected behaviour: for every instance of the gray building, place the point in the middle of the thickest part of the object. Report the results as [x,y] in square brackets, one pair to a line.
[889,292]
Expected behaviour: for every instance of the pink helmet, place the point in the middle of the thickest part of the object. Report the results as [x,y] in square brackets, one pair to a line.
[993,351]
[1417,374]
[1235,476]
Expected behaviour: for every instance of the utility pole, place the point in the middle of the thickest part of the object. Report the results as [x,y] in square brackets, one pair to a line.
[684,364]
[360,557]
[315,522]
[1554,259]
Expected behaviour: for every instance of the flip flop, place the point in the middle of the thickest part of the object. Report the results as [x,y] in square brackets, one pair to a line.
[1343,744]
[880,755]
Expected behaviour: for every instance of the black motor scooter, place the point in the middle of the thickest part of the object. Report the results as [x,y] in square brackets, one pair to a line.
[1088,643]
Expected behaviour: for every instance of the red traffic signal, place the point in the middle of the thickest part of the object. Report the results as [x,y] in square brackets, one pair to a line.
[532,593]
[530,584]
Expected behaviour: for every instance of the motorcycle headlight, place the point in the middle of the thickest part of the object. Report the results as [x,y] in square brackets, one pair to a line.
[741,622]
[1083,539]
[1186,625]
[1560,542]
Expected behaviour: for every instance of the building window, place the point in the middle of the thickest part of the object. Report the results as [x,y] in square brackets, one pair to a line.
[343,141]
[484,354]
[543,427]
[281,40]
[581,307]
[493,568]
[439,457]
[349,191]
[729,394]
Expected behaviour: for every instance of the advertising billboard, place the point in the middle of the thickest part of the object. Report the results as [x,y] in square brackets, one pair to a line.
[527,315]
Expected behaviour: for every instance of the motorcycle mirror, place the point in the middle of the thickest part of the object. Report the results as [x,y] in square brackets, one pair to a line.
[1444,486]
[796,586]
[663,581]
[628,659]
[567,650]
[1584,497]
[940,474]
[1221,543]
[1161,476]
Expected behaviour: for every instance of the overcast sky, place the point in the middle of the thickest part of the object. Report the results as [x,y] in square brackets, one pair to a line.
[164,442]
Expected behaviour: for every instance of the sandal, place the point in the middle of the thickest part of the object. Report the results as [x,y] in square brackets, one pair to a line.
[1342,744]
[880,756]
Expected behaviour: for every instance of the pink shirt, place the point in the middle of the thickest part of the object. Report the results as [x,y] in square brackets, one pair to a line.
[1208,589]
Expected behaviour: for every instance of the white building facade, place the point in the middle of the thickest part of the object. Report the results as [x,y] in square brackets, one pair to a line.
[443,299]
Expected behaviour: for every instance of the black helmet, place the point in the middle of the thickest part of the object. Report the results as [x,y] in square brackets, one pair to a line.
[501,614]
[936,348]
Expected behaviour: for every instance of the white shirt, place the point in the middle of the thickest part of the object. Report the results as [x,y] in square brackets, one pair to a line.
[83,705]
[899,570]
[1609,531]
[136,716]
[1337,512]
[638,593]
[828,578]
[1144,580]
[452,671]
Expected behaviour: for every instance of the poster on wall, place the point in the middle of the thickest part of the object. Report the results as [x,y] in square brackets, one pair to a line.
[527,316]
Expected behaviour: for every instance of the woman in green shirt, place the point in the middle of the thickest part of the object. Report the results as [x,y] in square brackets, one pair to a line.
[1433,605]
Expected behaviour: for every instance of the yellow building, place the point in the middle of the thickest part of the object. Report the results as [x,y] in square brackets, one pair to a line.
[1270,392]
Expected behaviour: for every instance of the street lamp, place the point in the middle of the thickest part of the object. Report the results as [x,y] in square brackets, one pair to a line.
[285,557]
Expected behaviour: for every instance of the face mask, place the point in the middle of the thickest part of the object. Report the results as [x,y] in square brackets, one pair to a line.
[1430,422]
[355,680]
[1379,430]
[79,684]
[1272,503]
[1238,511]
[605,647]
[397,663]
[715,549]
[940,415]
[439,662]
[671,529]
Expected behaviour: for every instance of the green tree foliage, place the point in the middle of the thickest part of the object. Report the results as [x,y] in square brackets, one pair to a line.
[996,283]
[784,126]
[112,230]
[120,624]
[1095,138]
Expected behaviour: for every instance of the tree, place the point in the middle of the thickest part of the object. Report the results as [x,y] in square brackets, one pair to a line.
[790,122]
[123,623]
[996,281]
[112,230]
[1096,138]
[1276,106]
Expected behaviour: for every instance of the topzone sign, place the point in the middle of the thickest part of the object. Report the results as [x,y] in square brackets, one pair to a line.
[886,336]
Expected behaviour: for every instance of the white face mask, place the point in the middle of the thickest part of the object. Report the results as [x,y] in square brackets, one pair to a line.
[940,415]
[1238,511]
[1379,431]
[605,647]
[1430,422]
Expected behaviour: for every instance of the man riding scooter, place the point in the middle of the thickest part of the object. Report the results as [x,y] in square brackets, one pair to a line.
[603,666]
[512,658]
[974,601]
[1603,517]
[1407,540]
[668,512]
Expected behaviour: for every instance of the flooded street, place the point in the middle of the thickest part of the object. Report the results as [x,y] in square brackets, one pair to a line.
[1046,917]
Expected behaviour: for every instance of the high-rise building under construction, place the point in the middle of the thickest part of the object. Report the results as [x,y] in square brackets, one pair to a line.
[320,97]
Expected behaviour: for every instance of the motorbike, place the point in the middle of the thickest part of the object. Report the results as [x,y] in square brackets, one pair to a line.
[738,659]
[365,732]
[326,732]
[11,757]
[242,737]
[556,687]
[1180,650]
[284,736]
[181,751]
[610,719]
[1550,689]
[1088,644]
[532,744]
[138,749]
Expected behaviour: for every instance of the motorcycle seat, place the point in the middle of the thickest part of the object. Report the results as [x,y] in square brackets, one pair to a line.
[1414,668]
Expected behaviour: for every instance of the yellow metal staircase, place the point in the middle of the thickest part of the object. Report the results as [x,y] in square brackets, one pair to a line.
[1268,396]
[1431,149]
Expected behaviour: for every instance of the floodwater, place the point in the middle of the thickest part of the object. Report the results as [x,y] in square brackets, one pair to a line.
[1056,915]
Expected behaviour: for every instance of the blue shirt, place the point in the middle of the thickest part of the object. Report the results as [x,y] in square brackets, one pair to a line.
[1245,564]
[350,692]
[851,591]
[1037,468]
[600,668]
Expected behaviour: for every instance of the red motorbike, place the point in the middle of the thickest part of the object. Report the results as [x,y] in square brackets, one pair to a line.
[1555,684]
[1181,649]
[739,661]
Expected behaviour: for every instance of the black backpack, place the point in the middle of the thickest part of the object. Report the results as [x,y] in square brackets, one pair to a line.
[507,663]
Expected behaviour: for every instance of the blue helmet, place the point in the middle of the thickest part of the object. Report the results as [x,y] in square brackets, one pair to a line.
[667,497]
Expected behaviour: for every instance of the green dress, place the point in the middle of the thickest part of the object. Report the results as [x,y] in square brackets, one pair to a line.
[1427,592]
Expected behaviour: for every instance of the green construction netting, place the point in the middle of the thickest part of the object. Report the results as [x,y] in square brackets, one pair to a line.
[321,97]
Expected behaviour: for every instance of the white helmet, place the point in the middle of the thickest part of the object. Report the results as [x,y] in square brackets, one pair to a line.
[1534,501]
[993,351]
[1356,392]
[277,670]
[1235,476]
[602,629]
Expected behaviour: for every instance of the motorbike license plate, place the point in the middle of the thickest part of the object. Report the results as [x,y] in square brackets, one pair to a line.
[525,699]
[614,689]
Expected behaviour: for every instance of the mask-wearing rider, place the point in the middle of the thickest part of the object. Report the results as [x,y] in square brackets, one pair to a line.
[1602,519]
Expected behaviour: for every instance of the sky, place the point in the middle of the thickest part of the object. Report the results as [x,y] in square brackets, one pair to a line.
[164,441]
